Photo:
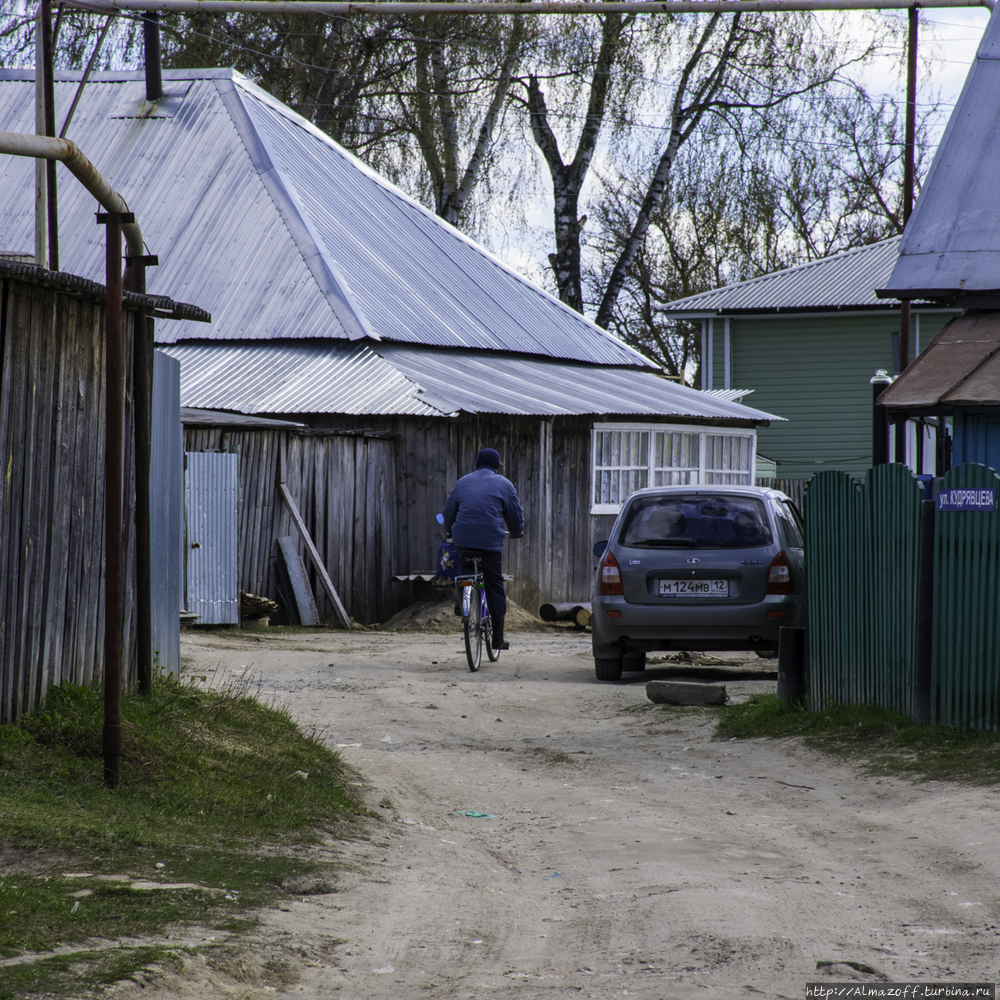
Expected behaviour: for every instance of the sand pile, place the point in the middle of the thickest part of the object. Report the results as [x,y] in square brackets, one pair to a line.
[439,616]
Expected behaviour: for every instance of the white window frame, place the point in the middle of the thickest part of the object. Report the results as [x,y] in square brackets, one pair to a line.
[701,475]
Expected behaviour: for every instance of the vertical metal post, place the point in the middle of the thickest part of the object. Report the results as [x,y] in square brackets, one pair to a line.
[48,78]
[151,50]
[114,408]
[925,617]
[791,665]
[41,168]
[909,169]
[142,393]
[911,115]
[880,425]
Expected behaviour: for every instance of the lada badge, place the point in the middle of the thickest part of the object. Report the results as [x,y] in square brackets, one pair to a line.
[694,560]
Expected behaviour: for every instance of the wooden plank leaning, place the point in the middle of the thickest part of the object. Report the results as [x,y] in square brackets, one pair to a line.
[324,577]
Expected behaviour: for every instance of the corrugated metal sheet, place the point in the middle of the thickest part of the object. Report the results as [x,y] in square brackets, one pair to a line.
[862,582]
[211,495]
[263,220]
[951,245]
[844,281]
[166,514]
[960,366]
[295,378]
[965,659]
[478,383]
[192,417]
[730,395]
[399,379]
[201,204]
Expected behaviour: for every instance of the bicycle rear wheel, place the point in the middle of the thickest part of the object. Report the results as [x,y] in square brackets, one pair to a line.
[473,626]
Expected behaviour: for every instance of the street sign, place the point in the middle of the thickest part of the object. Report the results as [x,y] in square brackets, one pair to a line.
[965,499]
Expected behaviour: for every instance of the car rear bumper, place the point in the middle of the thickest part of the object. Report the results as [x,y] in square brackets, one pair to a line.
[693,626]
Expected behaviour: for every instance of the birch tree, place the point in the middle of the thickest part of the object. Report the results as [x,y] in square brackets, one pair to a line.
[739,70]
[828,179]
[462,76]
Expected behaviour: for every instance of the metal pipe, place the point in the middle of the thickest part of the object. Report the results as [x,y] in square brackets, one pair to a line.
[922,673]
[908,170]
[48,89]
[114,409]
[151,54]
[85,77]
[45,148]
[394,7]
[41,167]
[880,424]
[142,415]
[911,115]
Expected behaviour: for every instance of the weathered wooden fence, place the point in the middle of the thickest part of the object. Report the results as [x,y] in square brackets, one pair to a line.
[52,490]
[344,485]
[862,547]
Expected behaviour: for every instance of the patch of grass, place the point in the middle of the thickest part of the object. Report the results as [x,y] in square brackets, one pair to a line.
[876,740]
[61,975]
[219,800]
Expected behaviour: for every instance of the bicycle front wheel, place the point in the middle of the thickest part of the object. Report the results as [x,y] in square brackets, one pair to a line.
[474,634]
[491,654]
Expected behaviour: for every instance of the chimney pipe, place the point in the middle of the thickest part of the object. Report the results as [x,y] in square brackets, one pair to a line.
[151,49]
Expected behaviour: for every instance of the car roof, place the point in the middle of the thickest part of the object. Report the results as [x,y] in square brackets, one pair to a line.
[759,491]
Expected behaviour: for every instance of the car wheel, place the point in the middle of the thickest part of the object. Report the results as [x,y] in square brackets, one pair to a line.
[608,668]
[633,661]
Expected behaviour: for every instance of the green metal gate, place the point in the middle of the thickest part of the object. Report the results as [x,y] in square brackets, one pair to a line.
[965,663]
[861,575]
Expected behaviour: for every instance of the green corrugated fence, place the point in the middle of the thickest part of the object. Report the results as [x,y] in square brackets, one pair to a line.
[965,663]
[861,575]
[862,550]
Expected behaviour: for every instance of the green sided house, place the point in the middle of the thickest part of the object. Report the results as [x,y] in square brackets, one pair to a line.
[807,341]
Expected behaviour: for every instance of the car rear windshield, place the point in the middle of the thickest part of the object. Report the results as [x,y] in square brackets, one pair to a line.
[696,520]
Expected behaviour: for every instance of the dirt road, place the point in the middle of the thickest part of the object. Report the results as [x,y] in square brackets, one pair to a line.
[623,851]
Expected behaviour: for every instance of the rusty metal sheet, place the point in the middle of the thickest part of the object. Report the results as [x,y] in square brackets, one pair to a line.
[981,388]
[940,373]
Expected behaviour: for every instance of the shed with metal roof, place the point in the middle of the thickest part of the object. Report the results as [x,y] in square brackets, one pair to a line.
[340,302]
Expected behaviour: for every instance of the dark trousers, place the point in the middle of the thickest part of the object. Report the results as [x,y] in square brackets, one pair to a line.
[491,565]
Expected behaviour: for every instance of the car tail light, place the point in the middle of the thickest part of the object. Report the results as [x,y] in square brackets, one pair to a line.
[779,575]
[609,576]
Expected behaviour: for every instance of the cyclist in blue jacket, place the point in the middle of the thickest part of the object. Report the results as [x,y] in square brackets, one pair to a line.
[475,515]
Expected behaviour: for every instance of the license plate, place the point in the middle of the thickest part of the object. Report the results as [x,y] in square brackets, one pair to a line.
[694,588]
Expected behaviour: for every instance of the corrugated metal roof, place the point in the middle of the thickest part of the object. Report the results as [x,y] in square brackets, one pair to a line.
[959,367]
[843,281]
[294,377]
[263,220]
[325,377]
[951,245]
[193,417]
[730,395]
[478,383]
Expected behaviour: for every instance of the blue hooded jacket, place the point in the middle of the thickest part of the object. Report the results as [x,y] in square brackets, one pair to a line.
[478,508]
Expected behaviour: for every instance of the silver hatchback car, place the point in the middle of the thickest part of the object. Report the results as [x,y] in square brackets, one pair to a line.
[696,568]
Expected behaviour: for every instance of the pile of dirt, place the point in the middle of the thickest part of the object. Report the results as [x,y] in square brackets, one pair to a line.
[439,616]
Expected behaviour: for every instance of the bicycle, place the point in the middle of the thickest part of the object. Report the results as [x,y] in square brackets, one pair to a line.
[476,623]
